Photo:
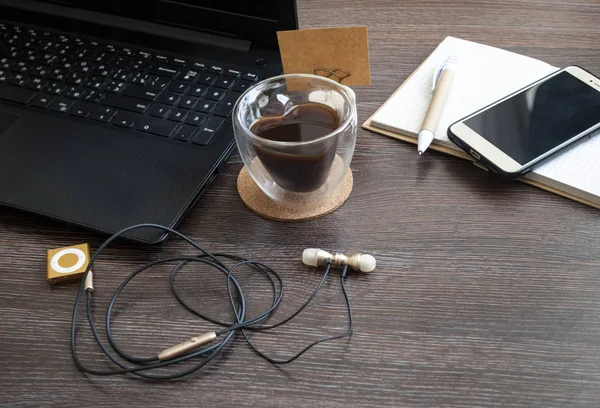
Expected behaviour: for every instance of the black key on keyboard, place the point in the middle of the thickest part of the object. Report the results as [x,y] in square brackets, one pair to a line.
[61,104]
[104,57]
[224,82]
[215,69]
[142,65]
[179,62]
[207,79]
[140,78]
[121,62]
[74,92]
[6,63]
[110,48]
[12,53]
[225,107]
[15,67]
[158,82]
[22,67]
[96,83]
[214,94]
[205,106]
[126,119]
[41,100]
[143,55]
[79,110]
[57,74]
[32,57]
[177,115]
[179,86]
[250,76]
[4,76]
[160,111]
[142,92]
[101,117]
[99,112]
[105,110]
[157,127]
[20,76]
[18,95]
[169,98]
[199,66]
[241,86]
[66,50]
[19,80]
[101,70]
[121,74]
[207,131]
[232,73]
[32,43]
[230,98]
[125,102]
[190,76]
[94,96]
[164,70]
[84,66]
[195,118]
[196,90]
[187,102]
[40,71]
[161,58]
[85,54]
[76,78]
[55,88]
[184,133]
[115,86]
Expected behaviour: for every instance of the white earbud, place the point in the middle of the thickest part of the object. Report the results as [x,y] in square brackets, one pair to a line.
[358,262]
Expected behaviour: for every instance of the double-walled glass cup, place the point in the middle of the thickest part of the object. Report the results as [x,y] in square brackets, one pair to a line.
[309,168]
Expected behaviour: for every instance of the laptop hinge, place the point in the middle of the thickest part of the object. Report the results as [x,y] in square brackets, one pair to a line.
[175,33]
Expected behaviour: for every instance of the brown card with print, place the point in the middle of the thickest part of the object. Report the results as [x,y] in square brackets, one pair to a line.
[340,53]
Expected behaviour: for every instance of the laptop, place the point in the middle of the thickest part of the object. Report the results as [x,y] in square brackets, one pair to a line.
[114,113]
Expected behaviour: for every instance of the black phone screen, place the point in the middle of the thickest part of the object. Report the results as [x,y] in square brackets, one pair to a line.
[535,121]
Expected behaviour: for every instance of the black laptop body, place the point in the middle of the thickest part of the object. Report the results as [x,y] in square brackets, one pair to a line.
[114,113]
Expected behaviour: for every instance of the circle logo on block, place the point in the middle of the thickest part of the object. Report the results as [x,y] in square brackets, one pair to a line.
[79,254]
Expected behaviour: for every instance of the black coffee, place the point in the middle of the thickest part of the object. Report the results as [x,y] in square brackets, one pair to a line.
[303,168]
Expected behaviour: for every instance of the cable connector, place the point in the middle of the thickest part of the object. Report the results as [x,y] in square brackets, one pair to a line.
[89,282]
[187,346]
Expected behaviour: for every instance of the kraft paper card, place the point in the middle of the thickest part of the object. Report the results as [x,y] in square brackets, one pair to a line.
[341,53]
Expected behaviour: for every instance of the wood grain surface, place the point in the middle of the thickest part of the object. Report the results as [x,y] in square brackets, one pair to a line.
[486,294]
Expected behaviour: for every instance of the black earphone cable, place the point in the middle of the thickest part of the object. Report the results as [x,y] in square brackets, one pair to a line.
[141,365]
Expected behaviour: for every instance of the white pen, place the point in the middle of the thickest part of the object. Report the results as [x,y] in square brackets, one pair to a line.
[442,82]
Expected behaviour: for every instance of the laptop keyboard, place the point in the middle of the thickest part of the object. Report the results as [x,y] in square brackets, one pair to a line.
[170,96]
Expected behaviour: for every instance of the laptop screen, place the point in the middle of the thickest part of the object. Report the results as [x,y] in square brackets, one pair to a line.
[253,20]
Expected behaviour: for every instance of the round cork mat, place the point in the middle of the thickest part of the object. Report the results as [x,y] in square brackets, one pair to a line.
[261,204]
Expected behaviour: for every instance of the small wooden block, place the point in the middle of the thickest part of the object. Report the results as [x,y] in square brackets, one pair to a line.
[304,210]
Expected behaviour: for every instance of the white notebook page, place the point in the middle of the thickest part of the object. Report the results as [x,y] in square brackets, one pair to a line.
[577,169]
[487,74]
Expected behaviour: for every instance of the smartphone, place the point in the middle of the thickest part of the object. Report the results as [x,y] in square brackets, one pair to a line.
[512,135]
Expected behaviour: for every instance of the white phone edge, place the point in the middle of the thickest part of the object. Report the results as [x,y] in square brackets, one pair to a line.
[479,147]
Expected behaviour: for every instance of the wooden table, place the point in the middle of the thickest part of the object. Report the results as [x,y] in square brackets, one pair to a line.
[486,294]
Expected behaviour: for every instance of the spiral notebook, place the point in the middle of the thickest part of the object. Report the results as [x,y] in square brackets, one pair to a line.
[486,75]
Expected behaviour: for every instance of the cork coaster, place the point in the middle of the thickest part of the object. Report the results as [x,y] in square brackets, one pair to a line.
[261,204]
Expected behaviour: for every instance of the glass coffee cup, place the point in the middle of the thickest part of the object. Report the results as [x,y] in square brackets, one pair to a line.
[296,135]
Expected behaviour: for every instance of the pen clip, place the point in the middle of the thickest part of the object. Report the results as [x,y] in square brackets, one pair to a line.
[437,73]
[449,62]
